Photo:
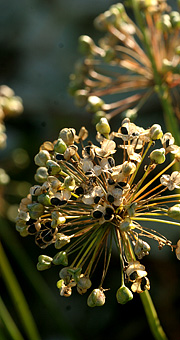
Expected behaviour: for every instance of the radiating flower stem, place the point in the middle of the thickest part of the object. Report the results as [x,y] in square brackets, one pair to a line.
[160,87]
[8,322]
[147,302]
[18,298]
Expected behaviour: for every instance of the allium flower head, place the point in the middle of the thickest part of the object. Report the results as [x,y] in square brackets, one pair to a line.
[133,59]
[92,196]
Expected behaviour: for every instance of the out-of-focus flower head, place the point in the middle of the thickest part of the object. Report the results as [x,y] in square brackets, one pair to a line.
[121,65]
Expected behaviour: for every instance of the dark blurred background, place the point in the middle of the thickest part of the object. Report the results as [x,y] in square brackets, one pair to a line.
[38,48]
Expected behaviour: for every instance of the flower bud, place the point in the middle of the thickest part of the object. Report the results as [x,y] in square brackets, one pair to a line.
[128,168]
[60,258]
[126,225]
[35,210]
[44,199]
[42,157]
[141,248]
[124,295]
[155,132]
[96,298]
[83,284]
[41,175]
[61,240]
[67,135]
[60,146]
[103,127]
[158,156]
[174,212]
[53,167]
[80,97]
[44,262]
[86,44]
[97,116]
[94,104]
[69,183]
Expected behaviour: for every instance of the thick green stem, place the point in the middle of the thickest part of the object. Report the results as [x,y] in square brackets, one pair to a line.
[18,298]
[148,305]
[152,316]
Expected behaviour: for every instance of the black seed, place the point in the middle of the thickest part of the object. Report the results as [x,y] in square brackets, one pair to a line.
[109,211]
[31,221]
[48,224]
[111,181]
[97,214]
[107,217]
[97,199]
[143,283]
[48,237]
[110,198]
[60,157]
[122,184]
[57,201]
[124,130]
[135,134]
[167,143]
[111,161]
[79,191]
[32,230]
[133,276]
[88,173]
[88,149]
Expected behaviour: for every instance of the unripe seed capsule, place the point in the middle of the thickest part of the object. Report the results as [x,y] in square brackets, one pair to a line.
[124,295]
[158,156]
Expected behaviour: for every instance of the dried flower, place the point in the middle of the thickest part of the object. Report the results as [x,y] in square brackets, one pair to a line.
[85,202]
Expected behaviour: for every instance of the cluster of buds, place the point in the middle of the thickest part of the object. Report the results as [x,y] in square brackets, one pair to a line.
[10,105]
[122,64]
[85,202]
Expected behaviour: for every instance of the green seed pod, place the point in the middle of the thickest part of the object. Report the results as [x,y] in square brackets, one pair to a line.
[128,168]
[131,210]
[84,283]
[124,295]
[67,135]
[155,132]
[60,283]
[44,262]
[35,210]
[42,157]
[174,212]
[53,168]
[96,298]
[158,156]
[97,116]
[75,273]
[44,199]
[60,146]
[103,127]
[65,275]
[94,104]
[120,7]
[69,183]
[41,175]
[86,44]
[61,240]
[80,97]
[60,258]
[126,225]
[21,226]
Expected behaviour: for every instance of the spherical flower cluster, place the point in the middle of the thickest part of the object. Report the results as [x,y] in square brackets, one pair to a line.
[85,203]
